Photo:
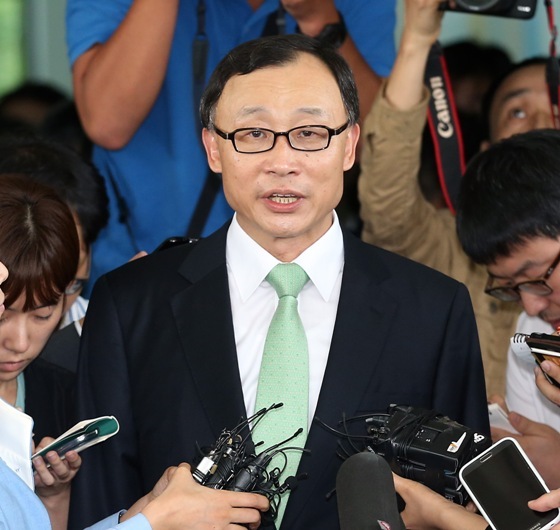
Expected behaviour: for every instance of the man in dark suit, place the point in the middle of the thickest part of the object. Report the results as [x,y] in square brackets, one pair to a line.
[173,342]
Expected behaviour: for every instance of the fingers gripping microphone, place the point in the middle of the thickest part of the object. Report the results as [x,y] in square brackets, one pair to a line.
[366,494]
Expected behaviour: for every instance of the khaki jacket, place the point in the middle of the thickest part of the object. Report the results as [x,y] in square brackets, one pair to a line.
[396,217]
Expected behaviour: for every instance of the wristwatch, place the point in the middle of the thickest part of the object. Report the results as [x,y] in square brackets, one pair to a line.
[333,34]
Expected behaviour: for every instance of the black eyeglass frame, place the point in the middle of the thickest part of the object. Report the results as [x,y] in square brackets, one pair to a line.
[231,136]
[515,290]
[76,286]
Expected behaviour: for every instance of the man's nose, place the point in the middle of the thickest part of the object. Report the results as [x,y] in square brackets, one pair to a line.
[533,304]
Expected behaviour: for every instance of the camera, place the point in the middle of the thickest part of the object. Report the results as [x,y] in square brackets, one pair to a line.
[418,444]
[502,8]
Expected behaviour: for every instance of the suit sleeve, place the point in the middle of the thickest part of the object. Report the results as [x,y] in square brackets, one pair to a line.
[460,388]
[109,478]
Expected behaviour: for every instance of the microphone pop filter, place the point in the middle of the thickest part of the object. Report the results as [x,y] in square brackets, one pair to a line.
[366,494]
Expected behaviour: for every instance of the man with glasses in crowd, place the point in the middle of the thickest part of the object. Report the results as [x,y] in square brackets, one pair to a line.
[509,220]
[174,344]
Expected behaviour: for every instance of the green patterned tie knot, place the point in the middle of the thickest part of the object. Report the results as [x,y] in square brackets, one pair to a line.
[287,279]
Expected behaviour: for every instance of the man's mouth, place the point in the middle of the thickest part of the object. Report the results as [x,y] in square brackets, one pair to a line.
[283,199]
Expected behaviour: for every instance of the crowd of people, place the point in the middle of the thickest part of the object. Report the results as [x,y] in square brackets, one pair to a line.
[236,126]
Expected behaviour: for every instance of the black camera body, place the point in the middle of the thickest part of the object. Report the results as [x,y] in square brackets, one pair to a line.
[522,9]
[419,444]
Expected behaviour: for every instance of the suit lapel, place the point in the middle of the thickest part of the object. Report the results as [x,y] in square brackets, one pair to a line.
[364,317]
[203,316]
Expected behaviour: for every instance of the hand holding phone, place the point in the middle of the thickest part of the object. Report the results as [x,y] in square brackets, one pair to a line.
[499,418]
[501,481]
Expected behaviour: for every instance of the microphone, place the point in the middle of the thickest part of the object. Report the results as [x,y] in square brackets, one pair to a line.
[366,494]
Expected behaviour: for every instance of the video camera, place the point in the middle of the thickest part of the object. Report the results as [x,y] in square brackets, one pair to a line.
[501,8]
[419,444]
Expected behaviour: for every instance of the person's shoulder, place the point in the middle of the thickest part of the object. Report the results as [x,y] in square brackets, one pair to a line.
[46,373]
[399,267]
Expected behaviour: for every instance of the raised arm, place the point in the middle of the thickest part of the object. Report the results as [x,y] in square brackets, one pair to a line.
[117,82]
[312,16]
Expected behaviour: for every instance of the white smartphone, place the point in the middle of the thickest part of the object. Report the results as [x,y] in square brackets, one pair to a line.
[500,481]
[499,418]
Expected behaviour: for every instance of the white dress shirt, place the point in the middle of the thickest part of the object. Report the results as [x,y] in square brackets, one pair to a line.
[254,300]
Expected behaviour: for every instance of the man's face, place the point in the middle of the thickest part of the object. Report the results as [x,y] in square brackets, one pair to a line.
[521,104]
[531,261]
[283,198]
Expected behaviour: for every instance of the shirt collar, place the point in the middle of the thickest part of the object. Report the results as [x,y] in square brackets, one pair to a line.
[322,261]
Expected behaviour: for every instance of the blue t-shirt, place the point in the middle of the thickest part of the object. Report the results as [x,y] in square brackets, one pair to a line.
[160,173]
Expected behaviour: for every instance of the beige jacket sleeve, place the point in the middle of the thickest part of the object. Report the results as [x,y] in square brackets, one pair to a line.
[397,217]
[395,214]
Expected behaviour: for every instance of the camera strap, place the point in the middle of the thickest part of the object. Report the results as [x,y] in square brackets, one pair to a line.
[552,69]
[275,24]
[444,127]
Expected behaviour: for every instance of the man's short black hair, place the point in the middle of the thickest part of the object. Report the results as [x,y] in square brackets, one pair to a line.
[510,194]
[278,50]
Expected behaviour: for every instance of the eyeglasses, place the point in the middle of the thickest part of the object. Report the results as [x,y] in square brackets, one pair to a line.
[513,293]
[250,140]
[76,286]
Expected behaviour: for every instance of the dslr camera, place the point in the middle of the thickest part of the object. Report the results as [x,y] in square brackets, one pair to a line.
[502,8]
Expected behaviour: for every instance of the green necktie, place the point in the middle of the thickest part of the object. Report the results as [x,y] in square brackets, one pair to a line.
[284,374]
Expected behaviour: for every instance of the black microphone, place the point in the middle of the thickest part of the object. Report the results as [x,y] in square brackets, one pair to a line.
[366,494]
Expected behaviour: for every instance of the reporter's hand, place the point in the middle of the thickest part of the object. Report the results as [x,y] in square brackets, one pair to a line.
[548,389]
[186,505]
[540,442]
[545,502]
[54,480]
[312,15]
[426,510]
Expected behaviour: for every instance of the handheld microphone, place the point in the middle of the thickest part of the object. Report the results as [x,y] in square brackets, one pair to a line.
[366,494]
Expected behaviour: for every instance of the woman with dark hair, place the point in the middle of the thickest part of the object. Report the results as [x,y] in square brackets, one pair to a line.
[39,246]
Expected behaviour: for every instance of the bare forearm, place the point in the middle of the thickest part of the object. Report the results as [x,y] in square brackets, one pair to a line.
[116,83]
[421,30]
[57,507]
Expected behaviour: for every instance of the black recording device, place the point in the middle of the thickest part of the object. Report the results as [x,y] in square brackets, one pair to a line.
[232,464]
[502,8]
[419,444]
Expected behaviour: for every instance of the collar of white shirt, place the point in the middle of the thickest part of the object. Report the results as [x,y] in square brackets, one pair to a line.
[322,261]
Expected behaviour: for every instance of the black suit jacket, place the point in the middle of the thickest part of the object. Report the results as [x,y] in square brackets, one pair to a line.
[49,398]
[158,352]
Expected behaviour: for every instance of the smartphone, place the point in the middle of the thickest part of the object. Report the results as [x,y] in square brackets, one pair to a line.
[500,481]
[173,242]
[499,418]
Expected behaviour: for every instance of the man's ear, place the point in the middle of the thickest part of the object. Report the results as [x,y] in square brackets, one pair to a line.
[351,146]
[212,153]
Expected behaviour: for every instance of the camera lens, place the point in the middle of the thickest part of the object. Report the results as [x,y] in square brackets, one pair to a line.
[483,5]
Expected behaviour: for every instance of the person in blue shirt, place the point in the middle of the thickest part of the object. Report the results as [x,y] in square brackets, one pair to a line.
[137,97]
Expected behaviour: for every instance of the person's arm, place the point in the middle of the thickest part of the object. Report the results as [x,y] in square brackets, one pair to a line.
[53,484]
[426,510]
[540,442]
[107,77]
[395,214]
[177,501]
[312,16]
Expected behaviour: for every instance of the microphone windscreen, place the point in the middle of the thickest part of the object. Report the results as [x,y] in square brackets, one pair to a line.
[366,494]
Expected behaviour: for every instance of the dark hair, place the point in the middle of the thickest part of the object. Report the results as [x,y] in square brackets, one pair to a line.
[277,50]
[76,181]
[497,83]
[38,242]
[509,194]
